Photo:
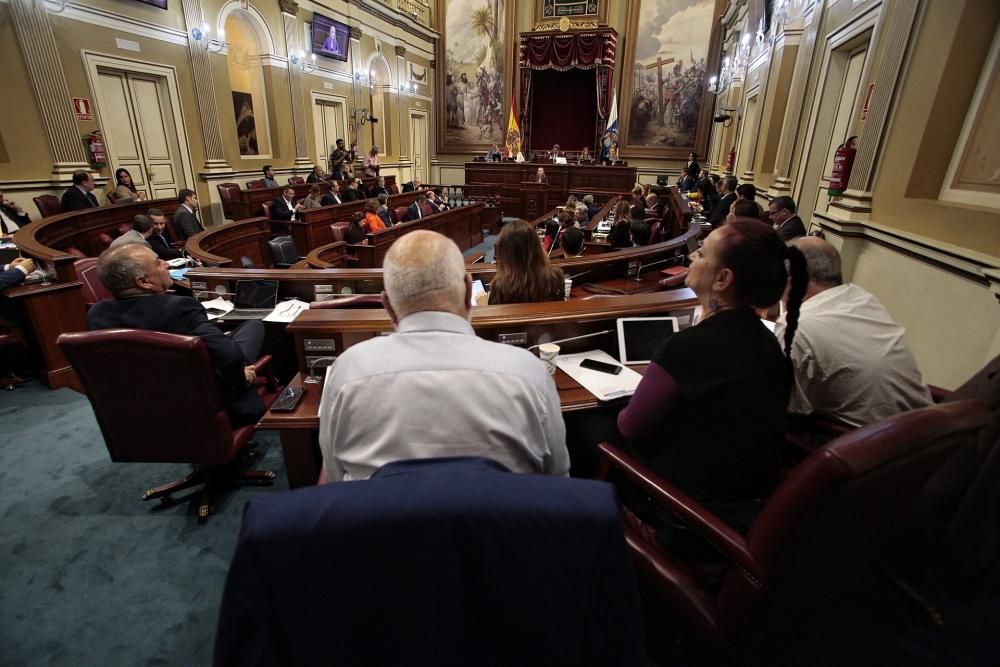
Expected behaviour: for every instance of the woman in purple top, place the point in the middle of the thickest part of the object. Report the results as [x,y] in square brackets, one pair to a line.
[709,414]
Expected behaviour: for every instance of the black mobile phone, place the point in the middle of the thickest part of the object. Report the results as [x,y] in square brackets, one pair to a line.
[595,365]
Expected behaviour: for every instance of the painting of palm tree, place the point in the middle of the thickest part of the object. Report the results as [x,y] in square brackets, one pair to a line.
[476,80]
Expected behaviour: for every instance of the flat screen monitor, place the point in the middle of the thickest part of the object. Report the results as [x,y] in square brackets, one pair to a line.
[330,38]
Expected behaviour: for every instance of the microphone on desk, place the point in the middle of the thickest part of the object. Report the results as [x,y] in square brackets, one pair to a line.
[313,378]
[572,338]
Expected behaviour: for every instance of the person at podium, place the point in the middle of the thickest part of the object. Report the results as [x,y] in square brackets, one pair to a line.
[540,176]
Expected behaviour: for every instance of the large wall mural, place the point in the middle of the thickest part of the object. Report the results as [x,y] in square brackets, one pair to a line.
[666,109]
[475,90]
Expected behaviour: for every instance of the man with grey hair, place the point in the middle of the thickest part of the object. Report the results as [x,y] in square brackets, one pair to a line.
[142,229]
[850,358]
[139,281]
[433,388]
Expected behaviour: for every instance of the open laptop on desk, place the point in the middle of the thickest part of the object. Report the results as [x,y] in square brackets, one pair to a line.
[254,299]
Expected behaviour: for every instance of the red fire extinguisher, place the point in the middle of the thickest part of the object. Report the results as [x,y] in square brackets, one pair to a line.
[843,160]
[731,159]
[95,146]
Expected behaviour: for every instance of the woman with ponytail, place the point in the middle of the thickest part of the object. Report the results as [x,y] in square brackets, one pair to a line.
[709,414]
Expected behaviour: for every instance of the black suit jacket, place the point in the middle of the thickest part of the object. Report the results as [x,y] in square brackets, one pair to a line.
[161,246]
[186,223]
[791,229]
[414,213]
[20,218]
[170,313]
[350,194]
[75,200]
[280,209]
[408,186]
[377,190]
[693,169]
[330,199]
[721,210]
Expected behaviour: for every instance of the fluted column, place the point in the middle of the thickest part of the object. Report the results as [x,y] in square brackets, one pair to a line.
[796,98]
[204,89]
[48,81]
[896,34]
[289,10]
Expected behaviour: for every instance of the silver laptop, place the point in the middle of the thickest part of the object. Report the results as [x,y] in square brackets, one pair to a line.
[254,299]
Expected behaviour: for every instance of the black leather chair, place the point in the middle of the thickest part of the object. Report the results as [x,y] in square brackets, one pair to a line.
[283,253]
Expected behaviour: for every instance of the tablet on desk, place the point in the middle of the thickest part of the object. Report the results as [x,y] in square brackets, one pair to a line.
[640,338]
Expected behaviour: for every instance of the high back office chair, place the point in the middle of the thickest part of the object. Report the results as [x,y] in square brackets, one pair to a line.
[818,533]
[296,180]
[433,562]
[283,253]
[137,428]
[228,193]
[47,205]
[93,289]
[256,184]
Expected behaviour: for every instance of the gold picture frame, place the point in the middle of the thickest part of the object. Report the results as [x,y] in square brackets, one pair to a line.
[678,135]
[570,14]
[485,126]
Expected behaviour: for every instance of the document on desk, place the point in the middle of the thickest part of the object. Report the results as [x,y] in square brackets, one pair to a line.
[217,307]
[604,386]
[286,311]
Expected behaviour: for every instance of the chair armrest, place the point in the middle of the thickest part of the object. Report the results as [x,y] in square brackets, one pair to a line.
[262,364]
[730,543]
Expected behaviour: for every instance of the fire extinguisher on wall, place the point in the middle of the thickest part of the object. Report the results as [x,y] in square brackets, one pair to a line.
[843,160]
[95,147]
[731,160]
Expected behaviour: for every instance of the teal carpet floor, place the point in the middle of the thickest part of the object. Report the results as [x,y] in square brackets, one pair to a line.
[90,574]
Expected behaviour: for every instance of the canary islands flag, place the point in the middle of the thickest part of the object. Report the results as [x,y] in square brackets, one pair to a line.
[513,140]
[610,139]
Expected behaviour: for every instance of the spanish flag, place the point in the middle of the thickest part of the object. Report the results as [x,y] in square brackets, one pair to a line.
[513,141]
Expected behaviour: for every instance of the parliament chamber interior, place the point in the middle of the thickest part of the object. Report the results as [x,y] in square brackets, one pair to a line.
[482,332]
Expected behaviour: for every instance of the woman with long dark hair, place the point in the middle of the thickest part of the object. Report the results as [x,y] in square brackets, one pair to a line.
[524,272]
[619,236]
[709,196]
[709,413]
[125,186]
[355,233]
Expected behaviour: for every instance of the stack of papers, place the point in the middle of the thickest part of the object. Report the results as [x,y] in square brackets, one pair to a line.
[604,386]
[217,307]
[286,311]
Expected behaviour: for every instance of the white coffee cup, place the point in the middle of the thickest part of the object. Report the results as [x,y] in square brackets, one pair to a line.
[569,287]
[549,353]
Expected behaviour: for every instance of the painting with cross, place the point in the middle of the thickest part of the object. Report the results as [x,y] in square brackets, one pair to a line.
[666,92]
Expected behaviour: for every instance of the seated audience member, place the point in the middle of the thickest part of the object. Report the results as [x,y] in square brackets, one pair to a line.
[620,236]
[494,154]
[709,413]
[686,182]
[573,242]
[572,201]
[654,205]
[342,172]
[125,187]
[743,208]
[332,197]
[383,210]
[186,223]
[412,186]
[540,176]
[142,229]
[524,272]
[352,192]
[435,203]
[781,210]
[379,188]
[434,388]
[417,209]
[555,152]
[355,232]
[709,197]
[139,281]
[747,192]
[716,181]
[638,196]
[283,209]
[640,231]
[12,217]
[372,221]
[313,199]
[317,175]
[269,181]
[585,156]
[158,240]
[80,195]
[15,272]
[728,196]
[564,221]
[592,209]
[850,358]
[580,217]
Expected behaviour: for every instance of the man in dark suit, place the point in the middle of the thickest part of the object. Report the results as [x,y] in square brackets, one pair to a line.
[283,209]
[317,175]
[379,188]
[80,196]
[351,192]
[12,216]
[158,240]
[332,197]
[728,191]
[789,226]
[417,209]
[383,210]
[411,186]
[139,281]
[185,221]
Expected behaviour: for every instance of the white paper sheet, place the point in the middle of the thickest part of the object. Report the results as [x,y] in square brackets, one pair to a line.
[286,311]
[218,303]
[604,386]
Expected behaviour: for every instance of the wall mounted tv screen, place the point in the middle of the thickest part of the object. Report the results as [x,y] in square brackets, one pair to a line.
[330,38]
